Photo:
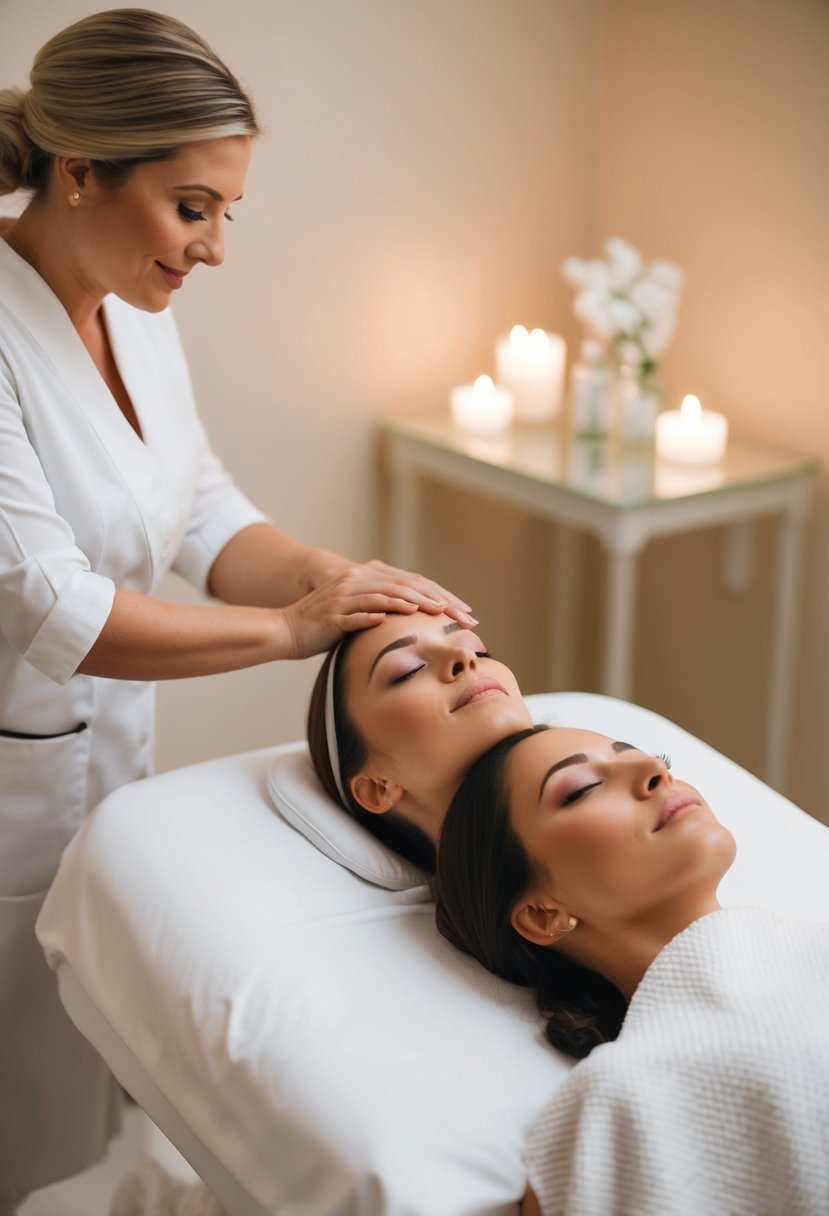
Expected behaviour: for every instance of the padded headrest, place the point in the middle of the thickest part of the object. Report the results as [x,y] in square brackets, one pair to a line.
[300,799]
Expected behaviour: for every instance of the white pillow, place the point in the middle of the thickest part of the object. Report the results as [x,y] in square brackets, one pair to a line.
[300,799]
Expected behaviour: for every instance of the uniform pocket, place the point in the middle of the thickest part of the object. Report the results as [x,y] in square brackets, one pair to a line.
[42,803]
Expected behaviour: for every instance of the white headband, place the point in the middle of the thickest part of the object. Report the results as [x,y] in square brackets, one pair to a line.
[331,726]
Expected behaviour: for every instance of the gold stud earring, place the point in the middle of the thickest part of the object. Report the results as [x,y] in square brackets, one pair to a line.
[558,931]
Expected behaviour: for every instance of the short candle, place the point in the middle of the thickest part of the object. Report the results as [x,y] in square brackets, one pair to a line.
[532,366]
[691,435]
[482,408]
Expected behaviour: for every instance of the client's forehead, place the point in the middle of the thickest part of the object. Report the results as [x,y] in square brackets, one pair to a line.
[368,644]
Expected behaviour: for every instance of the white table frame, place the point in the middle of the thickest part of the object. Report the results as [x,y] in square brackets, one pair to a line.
[623,532]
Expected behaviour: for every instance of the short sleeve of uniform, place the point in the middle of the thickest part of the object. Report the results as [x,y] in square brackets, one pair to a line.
[52,604]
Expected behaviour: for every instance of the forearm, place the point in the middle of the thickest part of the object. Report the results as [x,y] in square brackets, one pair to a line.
[149,639]
[262,566]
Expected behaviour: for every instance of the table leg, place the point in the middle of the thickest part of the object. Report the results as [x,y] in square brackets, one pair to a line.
[564,578]
[738,556]
[619,623]
[403,511]
[789,561]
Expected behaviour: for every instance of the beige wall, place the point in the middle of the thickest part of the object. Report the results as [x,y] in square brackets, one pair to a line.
[428,164]
[713,142]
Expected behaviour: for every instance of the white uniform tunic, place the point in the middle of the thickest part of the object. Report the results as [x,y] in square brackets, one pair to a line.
[85,507]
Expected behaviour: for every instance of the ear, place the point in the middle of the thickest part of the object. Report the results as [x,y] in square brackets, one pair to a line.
[539,922]
[375,794]
[73,171]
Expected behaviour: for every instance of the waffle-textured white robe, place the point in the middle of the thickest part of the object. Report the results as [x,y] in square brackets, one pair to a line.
[714,1100]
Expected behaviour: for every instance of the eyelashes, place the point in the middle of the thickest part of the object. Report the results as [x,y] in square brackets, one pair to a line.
[187,213]
[192,217]
[574,796]
[407,675]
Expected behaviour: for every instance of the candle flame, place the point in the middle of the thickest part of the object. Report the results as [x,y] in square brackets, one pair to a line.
[690,411]
[539,339]
[518,335]
[484,386]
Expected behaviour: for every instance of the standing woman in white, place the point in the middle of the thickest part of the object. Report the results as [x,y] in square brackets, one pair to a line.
[134,141]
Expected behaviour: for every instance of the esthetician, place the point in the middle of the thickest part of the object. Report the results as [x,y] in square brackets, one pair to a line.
[134,141]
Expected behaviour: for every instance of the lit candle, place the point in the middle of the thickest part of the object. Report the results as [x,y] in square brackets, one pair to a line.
[482,408]
[691,435]
[532,366]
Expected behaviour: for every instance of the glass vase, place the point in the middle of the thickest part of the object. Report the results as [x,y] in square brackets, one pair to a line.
[639,395]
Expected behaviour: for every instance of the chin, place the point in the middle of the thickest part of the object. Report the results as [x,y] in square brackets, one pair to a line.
[504,718]
[148,304]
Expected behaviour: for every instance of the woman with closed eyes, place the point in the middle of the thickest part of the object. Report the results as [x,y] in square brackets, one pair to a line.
[132,144]
[398,714]
[582,868]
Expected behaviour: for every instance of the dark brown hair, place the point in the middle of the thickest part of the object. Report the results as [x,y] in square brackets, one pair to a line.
[391,828]
[482,871]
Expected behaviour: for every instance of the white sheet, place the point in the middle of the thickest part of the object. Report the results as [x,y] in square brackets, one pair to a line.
[306,1039]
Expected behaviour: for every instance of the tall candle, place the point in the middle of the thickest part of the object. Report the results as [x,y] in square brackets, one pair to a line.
[482,408]
[691,435]
[532,366]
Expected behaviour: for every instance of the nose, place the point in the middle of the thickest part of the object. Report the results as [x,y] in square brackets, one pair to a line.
[649,773]
[209,246]
[457,660]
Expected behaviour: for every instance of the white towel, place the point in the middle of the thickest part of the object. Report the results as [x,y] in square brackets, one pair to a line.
[714,1100]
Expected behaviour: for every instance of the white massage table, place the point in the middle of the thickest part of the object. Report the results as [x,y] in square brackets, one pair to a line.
[304,1036]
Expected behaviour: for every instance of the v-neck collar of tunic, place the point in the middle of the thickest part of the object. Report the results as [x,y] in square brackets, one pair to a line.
[37,307]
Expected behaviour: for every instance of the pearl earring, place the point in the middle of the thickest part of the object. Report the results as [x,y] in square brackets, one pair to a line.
[558,931]
[75,198]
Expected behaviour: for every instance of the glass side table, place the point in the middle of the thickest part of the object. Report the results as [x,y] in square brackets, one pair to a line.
[625,498]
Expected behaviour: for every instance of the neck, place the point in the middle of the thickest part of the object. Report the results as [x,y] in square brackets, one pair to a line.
[40,237]
[623,953]
[423,814]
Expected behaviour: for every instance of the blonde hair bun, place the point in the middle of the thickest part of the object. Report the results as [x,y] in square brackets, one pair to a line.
[121,87]
[15,146]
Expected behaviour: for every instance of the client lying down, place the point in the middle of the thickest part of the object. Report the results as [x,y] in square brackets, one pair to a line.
[398,714]
[580,867]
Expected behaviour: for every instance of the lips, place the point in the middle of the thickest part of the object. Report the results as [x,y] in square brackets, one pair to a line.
[176,277]
[476,691]
[674,806]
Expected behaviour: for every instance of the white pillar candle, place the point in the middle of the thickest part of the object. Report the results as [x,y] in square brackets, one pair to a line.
[482,408]
[532,366]
[691,435]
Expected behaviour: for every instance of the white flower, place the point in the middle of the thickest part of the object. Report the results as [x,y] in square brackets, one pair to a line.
[575,271]
[625,262]
[625,303]
[652,299]
[657,338]
[667,275]
[592,306]
[627,318]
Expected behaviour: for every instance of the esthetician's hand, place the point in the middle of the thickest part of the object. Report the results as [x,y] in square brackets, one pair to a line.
[324,564]
[358,598]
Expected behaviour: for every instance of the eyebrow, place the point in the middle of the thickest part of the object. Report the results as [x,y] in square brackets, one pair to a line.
[579,758]
[409,640]
[214,194]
